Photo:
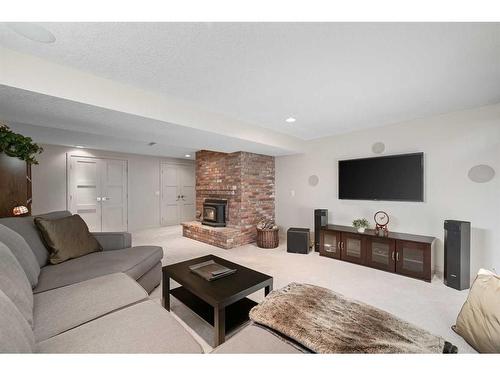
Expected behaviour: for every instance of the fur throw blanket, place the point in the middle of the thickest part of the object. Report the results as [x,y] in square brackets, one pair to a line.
[327,322]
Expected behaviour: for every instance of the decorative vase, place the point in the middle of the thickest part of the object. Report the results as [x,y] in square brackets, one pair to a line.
[361,230]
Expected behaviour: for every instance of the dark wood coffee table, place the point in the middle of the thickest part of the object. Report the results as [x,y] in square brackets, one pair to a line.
[222,302]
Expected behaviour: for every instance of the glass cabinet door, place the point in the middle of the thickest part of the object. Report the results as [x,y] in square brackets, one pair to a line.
[329,244]
[380,253]
[353,248]
[413,259]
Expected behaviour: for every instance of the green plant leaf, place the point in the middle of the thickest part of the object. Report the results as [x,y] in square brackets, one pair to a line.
[18,146]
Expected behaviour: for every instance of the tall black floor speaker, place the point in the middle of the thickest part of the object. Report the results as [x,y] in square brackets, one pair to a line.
[320,220]
[457,254]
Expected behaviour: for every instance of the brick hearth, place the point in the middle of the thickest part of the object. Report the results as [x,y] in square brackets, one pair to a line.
[227,238]
[246,180]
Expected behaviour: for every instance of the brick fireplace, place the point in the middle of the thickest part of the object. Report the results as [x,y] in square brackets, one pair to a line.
[246,182]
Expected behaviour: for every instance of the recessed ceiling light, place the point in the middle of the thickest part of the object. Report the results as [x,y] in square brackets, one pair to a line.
[32,31]
[187,155]
[290,120]
[79,146]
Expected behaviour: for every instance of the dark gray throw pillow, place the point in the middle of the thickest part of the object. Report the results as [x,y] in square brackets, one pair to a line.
[66,238]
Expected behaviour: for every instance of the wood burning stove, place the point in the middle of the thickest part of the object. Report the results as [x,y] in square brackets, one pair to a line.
[214,212]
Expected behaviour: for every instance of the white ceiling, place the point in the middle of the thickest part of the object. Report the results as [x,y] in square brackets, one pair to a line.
[332,77]
[53,120]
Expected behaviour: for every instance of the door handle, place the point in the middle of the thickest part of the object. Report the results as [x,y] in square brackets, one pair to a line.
[106,198]
[178,197]
[99,199]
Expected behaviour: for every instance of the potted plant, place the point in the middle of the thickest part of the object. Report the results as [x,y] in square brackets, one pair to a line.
[17,145]
[360,225]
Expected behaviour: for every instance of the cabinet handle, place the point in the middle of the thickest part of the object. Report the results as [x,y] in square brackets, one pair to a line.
[392,255]
[397,256]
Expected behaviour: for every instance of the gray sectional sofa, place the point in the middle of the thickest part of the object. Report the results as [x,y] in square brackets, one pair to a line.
[142,263]
[97,303]
[254,339]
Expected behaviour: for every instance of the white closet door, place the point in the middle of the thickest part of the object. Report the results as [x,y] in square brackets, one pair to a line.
[177,193]
[114,195]
[98,192]
[188,194]
[169,195]
[84,184]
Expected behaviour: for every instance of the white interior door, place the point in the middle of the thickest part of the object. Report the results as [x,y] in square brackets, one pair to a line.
[114,195]
[98,192]
[177,193]
[84,183]
[188,194]
[169,195]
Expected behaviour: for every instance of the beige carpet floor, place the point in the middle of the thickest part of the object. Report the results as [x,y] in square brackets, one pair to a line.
[432,306]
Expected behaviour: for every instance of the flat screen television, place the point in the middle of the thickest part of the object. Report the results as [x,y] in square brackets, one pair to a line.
[385,178]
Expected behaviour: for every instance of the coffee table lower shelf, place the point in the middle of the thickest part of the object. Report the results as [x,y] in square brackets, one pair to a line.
[236,314]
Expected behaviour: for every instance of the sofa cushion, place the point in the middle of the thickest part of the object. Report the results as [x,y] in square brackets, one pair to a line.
[66,238]
[15,284]
[113,240]
[134,261]
[22,251]
[16,335]
[151,279]
[142,328]
[61,309]
[26,228]
[254,340]
[479,319]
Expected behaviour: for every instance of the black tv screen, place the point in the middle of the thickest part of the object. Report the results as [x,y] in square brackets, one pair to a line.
[386,178]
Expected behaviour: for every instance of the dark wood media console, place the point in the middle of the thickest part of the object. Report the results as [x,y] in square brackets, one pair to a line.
[402,253]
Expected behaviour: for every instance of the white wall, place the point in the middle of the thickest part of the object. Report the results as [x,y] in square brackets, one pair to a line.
[49,183]
[451,143]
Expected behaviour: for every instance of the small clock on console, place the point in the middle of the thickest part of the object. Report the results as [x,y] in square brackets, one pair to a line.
[381,220]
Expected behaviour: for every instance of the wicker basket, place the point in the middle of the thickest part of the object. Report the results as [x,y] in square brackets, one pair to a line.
[268,238]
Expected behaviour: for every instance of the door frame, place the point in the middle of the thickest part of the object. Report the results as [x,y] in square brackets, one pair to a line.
[426,251]
[391,267]
[362,249]
[70,155]
[177,164]
[336,254]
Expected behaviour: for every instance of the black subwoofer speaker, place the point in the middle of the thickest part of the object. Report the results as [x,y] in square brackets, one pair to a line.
[297,240]
[320,221]
[457,254]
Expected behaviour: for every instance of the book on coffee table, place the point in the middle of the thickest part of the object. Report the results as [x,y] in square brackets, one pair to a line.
[211,270]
